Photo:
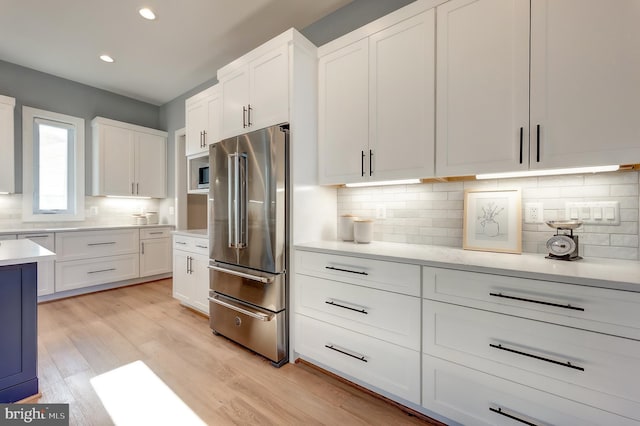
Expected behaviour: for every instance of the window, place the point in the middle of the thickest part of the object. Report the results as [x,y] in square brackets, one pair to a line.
[53,166]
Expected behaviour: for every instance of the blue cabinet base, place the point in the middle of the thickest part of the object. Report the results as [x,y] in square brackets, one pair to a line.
[19,391]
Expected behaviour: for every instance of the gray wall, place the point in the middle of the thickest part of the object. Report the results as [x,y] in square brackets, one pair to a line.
[342,21]
[45,91]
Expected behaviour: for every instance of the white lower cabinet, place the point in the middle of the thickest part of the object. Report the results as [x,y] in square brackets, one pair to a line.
[155,251]
[190,272]
[87,272]
[46,268]
[471,397]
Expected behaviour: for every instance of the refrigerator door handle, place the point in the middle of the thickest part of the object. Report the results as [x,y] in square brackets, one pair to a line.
[242,224]
[264,280]
[232,202]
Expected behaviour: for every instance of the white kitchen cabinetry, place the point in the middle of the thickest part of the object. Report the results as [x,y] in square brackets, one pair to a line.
[376,100]
[46,269]
[584,85]
[190,271]
[7,142]
[128,160]
[255,88]
[348,320]
[519,335]
[203,114]
[87,258]
[155,251]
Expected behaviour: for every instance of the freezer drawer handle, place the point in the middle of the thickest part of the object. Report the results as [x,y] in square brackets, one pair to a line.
[553,361]
[333,268]
[257,315]
[101,244]
[557,305]
[101,270]
[511,416]
[265,280]
[347,353]
[333,303]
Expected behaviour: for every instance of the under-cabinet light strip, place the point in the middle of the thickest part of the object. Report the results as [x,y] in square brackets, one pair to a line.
[383,183]
[548,172]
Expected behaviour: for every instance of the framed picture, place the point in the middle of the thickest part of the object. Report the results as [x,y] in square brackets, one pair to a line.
[492,220]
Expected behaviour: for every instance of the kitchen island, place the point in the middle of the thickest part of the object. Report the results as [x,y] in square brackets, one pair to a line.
[18,318]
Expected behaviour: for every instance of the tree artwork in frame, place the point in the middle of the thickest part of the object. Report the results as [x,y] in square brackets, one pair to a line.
[492,220]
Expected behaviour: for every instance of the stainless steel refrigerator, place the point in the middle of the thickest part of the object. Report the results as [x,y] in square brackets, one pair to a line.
[248,233]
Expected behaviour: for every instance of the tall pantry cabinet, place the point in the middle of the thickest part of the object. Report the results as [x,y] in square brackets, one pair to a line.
[7,105]
[536,84]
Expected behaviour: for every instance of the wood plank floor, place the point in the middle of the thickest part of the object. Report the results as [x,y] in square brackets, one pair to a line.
[82,337]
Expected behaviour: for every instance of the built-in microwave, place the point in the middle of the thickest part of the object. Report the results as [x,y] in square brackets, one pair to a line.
[203,177]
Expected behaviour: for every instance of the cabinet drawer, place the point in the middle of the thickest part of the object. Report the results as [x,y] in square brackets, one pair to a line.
[45,239]
[148,233]
[388,316]
[397,277]
[92,244]
[370,362]
[474,398]
[594,368]
[191,244]
[598,309]
[88,272]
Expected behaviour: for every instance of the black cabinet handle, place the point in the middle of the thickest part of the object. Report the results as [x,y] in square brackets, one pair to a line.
[344,352]
[552,361]
[332,303]
[538,143]
[521,142]
[511,416]
[346,270]
[557,305]
[362,163]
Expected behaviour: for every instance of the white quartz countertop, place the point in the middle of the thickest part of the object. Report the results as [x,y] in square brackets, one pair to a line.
[198,233]
[78,228]
[596,272]
[15,252]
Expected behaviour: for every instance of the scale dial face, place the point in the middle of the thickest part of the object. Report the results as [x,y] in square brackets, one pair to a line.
[561,245]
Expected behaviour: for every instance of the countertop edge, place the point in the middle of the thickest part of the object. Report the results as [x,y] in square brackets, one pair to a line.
[81,228]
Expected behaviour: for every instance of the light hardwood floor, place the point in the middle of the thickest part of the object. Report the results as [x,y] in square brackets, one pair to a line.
[223,383]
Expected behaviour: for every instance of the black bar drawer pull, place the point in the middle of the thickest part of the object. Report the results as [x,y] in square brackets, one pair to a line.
[101,270]
[557,305]
[538,143]
[101,244]
[553,361]
[37,236]
[511,416]
[521,142]
[333,303]
[345,270]
[362,163]
[344,352]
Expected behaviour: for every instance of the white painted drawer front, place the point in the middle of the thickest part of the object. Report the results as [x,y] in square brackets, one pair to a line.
[45,239]
[382,365]
[88,272]
[546,356]
[92,244]
[191,244]
[388,316]
[467,396]
[397,277]
[147,233]
[607,311]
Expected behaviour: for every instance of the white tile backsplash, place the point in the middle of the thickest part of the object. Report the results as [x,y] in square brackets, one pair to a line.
[435,210]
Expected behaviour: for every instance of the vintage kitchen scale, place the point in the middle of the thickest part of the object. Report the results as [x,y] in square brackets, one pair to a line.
[563,245]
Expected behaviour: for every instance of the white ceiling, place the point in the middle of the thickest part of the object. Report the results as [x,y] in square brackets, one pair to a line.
[156,61]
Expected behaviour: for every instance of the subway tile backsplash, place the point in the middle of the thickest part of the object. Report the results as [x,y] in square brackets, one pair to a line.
[432,213]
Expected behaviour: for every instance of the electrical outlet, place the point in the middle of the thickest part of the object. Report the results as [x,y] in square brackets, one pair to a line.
[533,213]
[381,211]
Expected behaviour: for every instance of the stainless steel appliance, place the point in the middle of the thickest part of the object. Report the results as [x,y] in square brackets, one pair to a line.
[563,246]
[248,233]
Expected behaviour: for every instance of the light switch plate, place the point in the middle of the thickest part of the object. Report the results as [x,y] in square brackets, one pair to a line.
[594,212]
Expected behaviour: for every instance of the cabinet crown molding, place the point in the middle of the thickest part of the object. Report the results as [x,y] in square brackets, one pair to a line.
[102,120]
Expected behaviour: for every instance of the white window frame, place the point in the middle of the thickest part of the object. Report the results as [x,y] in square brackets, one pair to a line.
[29,115]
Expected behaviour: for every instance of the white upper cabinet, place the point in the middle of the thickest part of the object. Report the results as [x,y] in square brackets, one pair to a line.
[482,86]
[128,160]
[203,115]
[7,183]
[376,100]
[585,82]
[581,107]
[255,89]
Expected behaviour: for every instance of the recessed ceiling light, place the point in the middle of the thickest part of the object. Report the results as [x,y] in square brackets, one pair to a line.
[147,13]
[106,58]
